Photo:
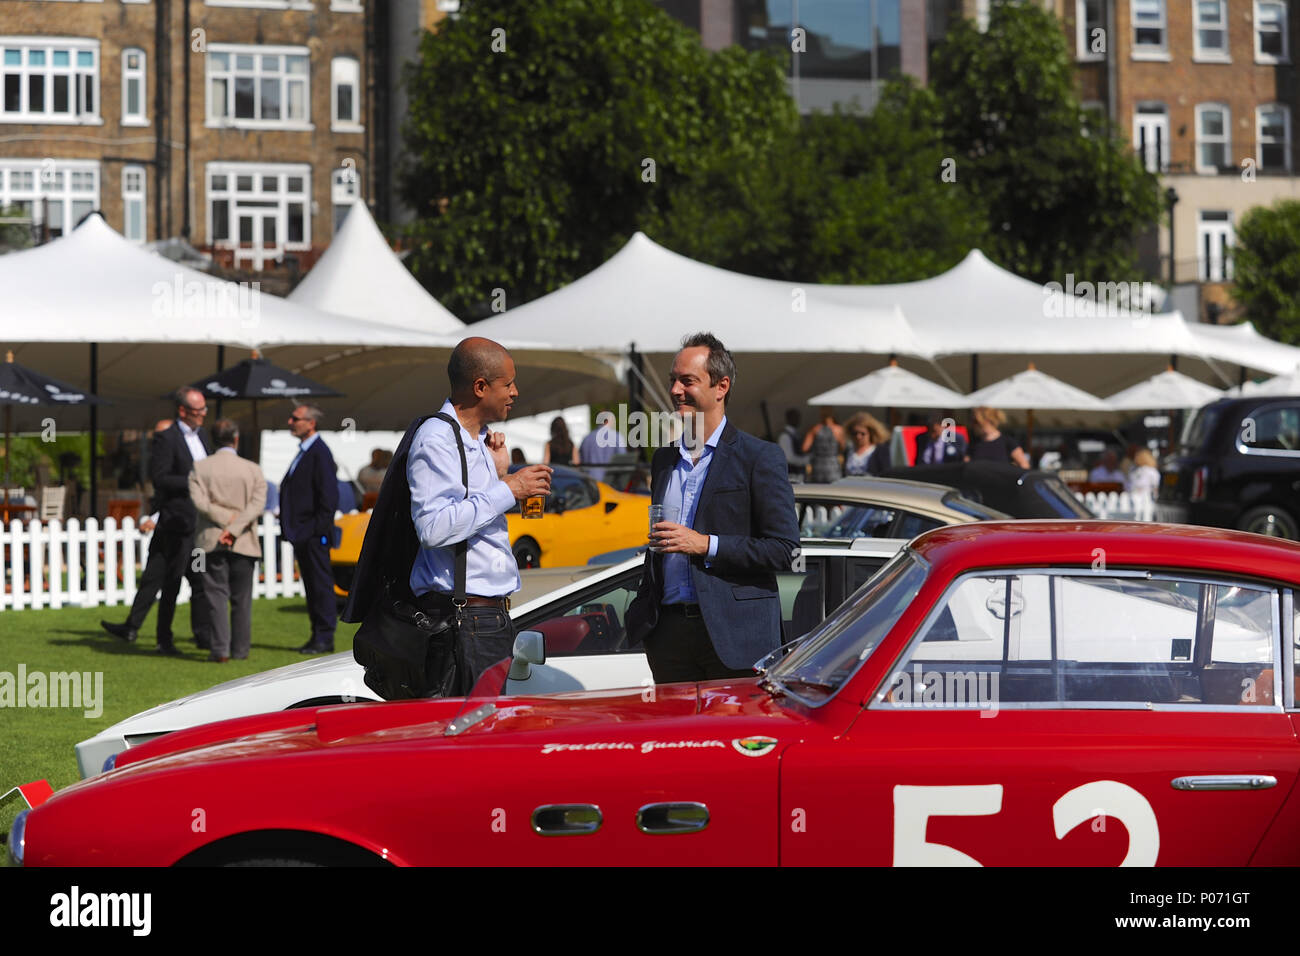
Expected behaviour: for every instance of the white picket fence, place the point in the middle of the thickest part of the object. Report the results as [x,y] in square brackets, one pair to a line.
[1119,505]
[93,565]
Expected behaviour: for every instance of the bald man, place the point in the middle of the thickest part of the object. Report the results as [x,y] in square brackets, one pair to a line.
[427,467]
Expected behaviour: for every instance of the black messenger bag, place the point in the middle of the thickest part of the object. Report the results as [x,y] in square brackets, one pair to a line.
[408,653]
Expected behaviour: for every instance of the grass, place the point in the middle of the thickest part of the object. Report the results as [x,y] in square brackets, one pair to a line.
[38,743]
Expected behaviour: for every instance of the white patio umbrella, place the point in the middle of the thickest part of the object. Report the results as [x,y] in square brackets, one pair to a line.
[1034,390]
[1168,390]
[892,387]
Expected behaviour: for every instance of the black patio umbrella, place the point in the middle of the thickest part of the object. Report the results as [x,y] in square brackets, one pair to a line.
[255,378]
[20,385]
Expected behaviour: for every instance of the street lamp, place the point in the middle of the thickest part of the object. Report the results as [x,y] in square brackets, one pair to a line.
[1171,197]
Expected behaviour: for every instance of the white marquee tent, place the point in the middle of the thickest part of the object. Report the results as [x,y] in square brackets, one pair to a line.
[979,308]
[788,344]
[360,275]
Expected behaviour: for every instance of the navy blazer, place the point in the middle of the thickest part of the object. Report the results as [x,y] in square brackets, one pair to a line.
[953,450]
[170,464]
[748,503]
[309,497]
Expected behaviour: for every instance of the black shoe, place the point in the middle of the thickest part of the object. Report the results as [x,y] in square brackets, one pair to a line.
[313,648]
[169,649]
[119,630]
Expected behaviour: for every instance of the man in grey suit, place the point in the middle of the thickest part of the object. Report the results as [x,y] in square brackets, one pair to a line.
[229,494]
[708,606]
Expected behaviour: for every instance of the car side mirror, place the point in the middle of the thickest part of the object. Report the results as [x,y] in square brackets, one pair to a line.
[529,649]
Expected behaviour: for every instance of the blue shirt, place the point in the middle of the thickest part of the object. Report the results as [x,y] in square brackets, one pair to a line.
[443,515]
[680,500]
[302,450]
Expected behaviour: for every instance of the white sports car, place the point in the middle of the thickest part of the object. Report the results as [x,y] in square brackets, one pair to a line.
[586,646]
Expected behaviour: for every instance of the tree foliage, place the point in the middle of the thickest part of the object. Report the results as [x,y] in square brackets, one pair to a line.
[1266,268]
[843,198]
[544,134]
[1064,191]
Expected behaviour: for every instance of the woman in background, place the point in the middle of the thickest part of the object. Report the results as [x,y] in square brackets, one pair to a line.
[1143,479]
[560,450]
[988,443]
[825,442]
[868,451]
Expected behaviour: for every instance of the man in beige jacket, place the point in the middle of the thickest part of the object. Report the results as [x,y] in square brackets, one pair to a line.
[230,494]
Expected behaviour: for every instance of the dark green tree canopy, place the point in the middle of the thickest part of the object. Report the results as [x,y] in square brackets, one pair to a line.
[1064,191]
[1266,268]
[544,134]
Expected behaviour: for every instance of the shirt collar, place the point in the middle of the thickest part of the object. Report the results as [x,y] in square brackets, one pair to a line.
[711,444]
[186,431]
[229,448]
[449,409]
[306,442]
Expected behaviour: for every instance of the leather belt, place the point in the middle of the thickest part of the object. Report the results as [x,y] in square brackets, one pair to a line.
[471,600]
[690,610]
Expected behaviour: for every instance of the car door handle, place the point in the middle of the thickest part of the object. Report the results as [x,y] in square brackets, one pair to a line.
[567,819]
[1224,781]
[661,818]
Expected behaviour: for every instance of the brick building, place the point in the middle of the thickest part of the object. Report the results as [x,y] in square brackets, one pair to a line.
[248,127]
[1207,91]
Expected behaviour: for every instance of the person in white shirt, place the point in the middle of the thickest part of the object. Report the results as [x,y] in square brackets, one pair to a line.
[1144,479]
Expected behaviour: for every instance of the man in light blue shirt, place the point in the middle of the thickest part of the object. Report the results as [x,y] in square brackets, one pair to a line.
[445,512]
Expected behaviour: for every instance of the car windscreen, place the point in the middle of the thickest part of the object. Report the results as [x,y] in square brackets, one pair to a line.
[832,652]
[1060,499]
[1199,428]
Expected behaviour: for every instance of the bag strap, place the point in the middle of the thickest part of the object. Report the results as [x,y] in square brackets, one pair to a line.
[462,547]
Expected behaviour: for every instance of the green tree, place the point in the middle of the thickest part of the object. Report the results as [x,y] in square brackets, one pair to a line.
[542,135]
[1064,191]
[842,198]
[14,234]
[1266,268]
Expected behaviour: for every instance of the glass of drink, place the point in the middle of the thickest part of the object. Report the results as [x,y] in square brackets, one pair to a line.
[533,506]
[656,515]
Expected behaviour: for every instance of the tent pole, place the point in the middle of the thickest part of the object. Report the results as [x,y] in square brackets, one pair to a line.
[9,418]
[974,372]
[221,349]
[94,431]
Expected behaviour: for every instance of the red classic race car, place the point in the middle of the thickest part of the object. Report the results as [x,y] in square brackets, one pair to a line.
[1058,692]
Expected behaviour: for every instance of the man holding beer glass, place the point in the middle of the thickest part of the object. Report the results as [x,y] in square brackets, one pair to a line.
[482,379]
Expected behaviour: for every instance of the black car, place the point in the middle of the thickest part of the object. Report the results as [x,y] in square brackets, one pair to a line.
[1006,487]
[1237,466]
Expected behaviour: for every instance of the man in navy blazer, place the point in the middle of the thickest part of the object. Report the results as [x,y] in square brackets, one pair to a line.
[309,496]
[708,606]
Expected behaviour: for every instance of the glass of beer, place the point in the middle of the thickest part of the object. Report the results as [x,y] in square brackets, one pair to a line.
[533,506]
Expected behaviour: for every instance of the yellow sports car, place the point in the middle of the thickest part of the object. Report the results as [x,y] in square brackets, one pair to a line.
[583,518]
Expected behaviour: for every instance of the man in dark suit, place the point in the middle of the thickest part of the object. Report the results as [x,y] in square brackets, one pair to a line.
[309,496]
[173,454]
[940,443]
[708,606]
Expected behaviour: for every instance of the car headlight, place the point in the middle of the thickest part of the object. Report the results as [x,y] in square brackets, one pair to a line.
[17,838]
[109,764]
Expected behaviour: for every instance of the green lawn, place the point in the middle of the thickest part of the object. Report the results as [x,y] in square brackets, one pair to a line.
[38,742]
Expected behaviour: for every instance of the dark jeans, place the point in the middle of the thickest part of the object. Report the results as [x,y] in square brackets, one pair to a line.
[169,560]
[679,649]
[318,581]
[487,635]
[228,591]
